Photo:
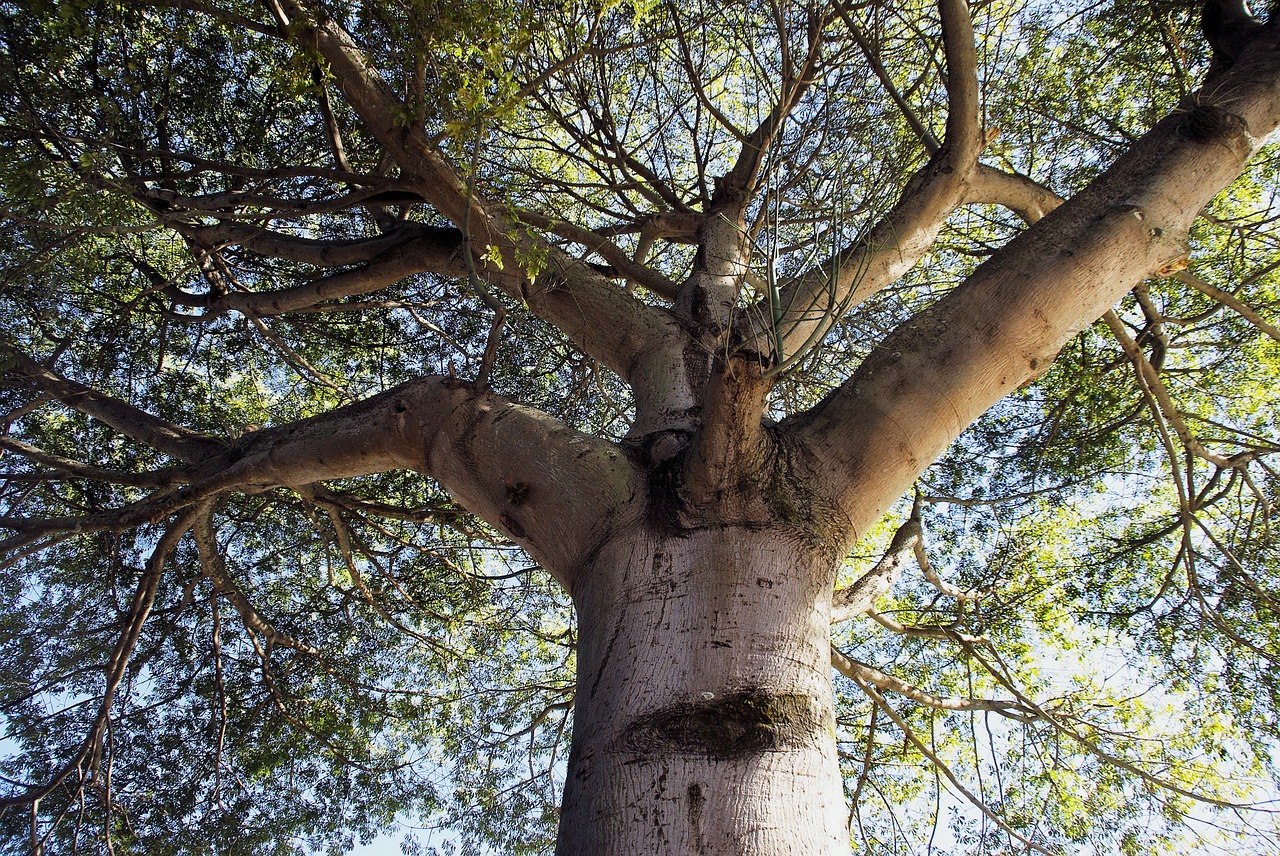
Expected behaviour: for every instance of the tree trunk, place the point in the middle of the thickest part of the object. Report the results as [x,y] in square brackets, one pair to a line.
[704,721]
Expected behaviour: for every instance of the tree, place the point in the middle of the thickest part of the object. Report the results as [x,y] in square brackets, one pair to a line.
[850,368]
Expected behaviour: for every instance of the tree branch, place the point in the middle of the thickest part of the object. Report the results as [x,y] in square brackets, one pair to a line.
[1229,300]
[939,765]
[633,269]
[1021,195]
[926,137]
[939,632]
[215,568]
[431,241]
[817,299]
[1032,201]
[603,320]
[139,608]
[859,670]
[937,373]
[964,132]
[858,598]
[709,295]
[1000,673]
[160,434]
[76,469]
[555,491]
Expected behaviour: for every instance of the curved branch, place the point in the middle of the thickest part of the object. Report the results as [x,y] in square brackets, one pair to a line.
[555,491]
[937,373]
[326,253]
[853,601]
[436,253]
[139,609]
[818,298]
[600,318]
[939,632]
[160,434]
[1023,196]
[859,670]
[215,568]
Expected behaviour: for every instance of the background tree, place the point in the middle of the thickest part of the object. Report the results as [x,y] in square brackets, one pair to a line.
[395,389]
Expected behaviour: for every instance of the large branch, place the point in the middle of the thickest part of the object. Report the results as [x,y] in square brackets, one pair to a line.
[325,253]
[936,374]
[602,319]
[367,437]
[1031,201]
[553,490]
[808,305]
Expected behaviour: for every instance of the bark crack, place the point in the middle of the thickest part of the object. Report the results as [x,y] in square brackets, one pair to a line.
[697,801]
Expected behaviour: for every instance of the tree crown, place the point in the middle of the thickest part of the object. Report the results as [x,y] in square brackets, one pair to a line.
[265,265]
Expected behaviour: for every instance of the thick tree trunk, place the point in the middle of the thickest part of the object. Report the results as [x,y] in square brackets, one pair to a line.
[704,720]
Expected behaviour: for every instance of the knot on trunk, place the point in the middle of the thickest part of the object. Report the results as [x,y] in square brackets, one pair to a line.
[742,722]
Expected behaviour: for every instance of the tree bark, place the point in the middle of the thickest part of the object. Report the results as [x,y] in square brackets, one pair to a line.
[704,721]
[942,369]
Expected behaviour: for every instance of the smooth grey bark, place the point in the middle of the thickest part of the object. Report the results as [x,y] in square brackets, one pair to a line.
[703,721]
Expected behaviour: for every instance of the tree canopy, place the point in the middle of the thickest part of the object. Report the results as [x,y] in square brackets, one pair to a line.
[234,235]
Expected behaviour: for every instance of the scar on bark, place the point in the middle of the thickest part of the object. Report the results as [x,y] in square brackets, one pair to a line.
[696,802]
[1205,123]
[744,722]
[517,491]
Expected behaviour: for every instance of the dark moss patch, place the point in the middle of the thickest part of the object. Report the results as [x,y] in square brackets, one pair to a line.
[517,491]
[790,485]
[740,723]
[1207,123]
